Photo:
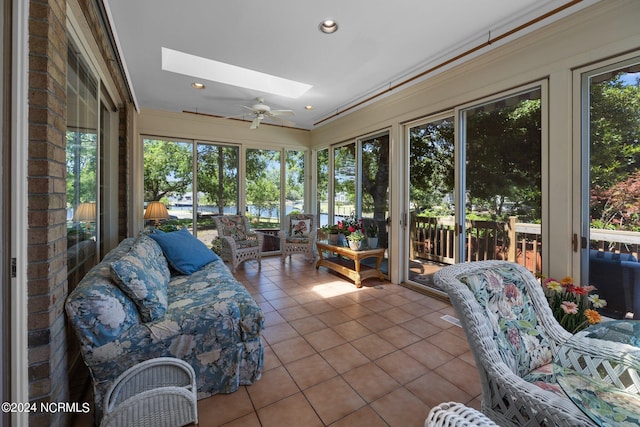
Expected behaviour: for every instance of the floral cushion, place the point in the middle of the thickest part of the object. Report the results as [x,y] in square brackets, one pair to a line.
[300,227]
[143,274]
[522,344]
[233,226]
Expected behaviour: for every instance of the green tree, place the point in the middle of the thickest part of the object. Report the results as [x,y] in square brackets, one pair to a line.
[168,168]
[218,174]
[431,163]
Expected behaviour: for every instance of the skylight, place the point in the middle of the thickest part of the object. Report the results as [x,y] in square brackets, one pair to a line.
[203,68]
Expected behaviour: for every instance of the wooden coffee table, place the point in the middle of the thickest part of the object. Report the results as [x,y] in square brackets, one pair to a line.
[347,262]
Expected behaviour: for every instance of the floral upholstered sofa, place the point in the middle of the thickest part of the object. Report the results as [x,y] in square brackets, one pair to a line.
[149,299]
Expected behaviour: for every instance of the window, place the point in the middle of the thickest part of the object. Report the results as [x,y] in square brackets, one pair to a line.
[82,168]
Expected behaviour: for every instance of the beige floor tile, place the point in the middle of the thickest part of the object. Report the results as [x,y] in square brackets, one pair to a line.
[424,386]
[370,381]
[356,311]
[421,327]
[463,375]
[294,313]
[277,333]
[307,325]
[397,315]
[401,409]
[402,367]
[310,371]
[281,303]
[236,405]
[324,339]
[373,346]
[344,357]
[291,411]
[274,385]
[363,417]
[270,359]
[450,343]
[375,322]
[273,318]
[351,330]
[333,318]
[399,336]
[293,349]
[250,420]
[333,399]
[428,354]
[317,307]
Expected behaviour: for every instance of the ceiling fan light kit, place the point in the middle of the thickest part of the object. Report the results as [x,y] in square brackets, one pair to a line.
[262,111]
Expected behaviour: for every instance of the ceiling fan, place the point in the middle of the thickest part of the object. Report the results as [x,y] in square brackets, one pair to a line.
[262,111]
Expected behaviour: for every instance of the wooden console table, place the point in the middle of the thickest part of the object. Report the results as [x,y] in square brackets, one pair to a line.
[347,262]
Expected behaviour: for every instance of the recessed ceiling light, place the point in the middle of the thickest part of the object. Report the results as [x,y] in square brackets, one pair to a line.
[197,85]
[328,26]
[215,71]
[309,107]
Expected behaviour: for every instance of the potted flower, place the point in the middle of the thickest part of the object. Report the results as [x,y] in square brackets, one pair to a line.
[573,305]
[355,239]
[331,233]
[372,235]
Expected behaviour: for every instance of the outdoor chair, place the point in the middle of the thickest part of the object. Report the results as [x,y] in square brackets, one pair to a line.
[239,243]
[299,236]
[514,337]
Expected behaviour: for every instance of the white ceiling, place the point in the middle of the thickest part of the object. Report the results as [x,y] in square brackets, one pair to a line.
[378,45]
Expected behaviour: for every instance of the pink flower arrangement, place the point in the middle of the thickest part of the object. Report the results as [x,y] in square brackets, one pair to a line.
[573,305]
[350,225]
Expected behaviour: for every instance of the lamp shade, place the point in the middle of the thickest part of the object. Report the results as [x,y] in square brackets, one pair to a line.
[85,212]
[156,210]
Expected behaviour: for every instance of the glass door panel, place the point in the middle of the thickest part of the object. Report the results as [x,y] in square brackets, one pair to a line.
[168,178]
[431,186]
[503,180]
[611,207]
[294,190]
[344,166]
[217,181]
[263,194]
[323,187]
[375,192]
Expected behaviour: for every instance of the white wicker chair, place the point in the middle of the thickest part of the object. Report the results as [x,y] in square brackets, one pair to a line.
[453,414]
[155,393]
[507,398]
[239,242]
[299,236]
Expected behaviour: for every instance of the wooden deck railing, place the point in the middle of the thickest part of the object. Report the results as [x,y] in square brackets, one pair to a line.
[432,238]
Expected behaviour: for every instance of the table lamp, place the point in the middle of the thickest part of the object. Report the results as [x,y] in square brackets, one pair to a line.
[85,212]
[157,211]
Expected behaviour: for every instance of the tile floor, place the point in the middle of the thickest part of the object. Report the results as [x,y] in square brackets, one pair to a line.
[340,356]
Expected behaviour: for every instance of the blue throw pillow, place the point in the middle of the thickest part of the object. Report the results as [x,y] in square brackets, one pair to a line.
[184,251]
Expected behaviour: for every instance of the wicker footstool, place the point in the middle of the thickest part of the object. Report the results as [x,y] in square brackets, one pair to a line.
[156,392]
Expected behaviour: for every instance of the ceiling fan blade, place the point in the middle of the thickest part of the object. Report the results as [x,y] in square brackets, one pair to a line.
[281,113]
[255,123]
[248,108]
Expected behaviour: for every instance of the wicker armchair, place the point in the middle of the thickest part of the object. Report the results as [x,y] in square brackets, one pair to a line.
[157,392]
[513,336]
[239,243]
[299,236]
[454,414]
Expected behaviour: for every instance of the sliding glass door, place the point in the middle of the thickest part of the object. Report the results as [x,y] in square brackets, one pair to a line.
[475,186]
[611,186]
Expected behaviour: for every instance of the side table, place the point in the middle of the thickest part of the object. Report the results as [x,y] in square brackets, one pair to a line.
[348,262]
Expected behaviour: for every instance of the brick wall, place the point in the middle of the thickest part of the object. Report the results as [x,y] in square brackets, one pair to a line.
[47,242]
[47,234]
